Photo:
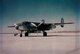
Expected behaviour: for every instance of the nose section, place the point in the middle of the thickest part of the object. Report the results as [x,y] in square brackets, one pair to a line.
[16,26]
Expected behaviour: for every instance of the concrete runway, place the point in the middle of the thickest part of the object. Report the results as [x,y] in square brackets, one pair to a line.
[57,43]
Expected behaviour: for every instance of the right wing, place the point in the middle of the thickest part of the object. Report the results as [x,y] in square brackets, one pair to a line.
[63,23]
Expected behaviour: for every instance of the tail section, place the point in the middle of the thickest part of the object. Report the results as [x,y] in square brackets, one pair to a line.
[62,22]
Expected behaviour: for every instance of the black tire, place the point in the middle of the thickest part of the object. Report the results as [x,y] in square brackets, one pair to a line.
[26,34]
[44,33]
[20,35]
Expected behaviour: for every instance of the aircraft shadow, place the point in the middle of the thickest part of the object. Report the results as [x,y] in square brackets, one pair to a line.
[51,36]
[57,35]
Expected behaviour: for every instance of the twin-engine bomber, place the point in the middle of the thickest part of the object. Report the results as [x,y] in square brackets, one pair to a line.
[34,27]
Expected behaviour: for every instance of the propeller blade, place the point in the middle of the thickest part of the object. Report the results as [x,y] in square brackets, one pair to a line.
[42,22]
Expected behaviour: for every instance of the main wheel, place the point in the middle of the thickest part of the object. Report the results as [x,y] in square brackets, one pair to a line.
[21,35]
[44,33]
[26,34]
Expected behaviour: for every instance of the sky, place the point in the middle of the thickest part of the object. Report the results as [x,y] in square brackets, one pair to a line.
[14,11]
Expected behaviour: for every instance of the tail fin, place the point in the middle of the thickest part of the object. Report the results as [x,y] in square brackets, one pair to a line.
[62,22]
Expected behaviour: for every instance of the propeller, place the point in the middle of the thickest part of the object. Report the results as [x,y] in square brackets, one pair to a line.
[33,24]
[42,22]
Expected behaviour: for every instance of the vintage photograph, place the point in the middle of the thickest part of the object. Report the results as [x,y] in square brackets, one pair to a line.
[39,26]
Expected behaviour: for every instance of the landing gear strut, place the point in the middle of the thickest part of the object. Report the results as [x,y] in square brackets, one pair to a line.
[21,34]
[26,34]
[44,33]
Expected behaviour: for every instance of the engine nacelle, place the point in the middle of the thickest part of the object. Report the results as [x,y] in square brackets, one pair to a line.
[16,26]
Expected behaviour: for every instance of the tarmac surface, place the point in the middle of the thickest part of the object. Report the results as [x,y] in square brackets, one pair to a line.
[54,43]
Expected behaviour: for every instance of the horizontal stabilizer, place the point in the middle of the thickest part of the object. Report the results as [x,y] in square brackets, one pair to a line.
[11,26]
[69,23]
[63,23]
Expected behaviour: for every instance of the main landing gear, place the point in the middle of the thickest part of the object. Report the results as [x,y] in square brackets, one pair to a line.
[26,34]
[21,34]
[44,33]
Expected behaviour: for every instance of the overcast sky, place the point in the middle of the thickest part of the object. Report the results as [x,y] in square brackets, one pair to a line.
[13,11]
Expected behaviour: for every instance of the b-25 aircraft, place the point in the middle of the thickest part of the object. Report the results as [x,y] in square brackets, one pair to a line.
[34,27]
